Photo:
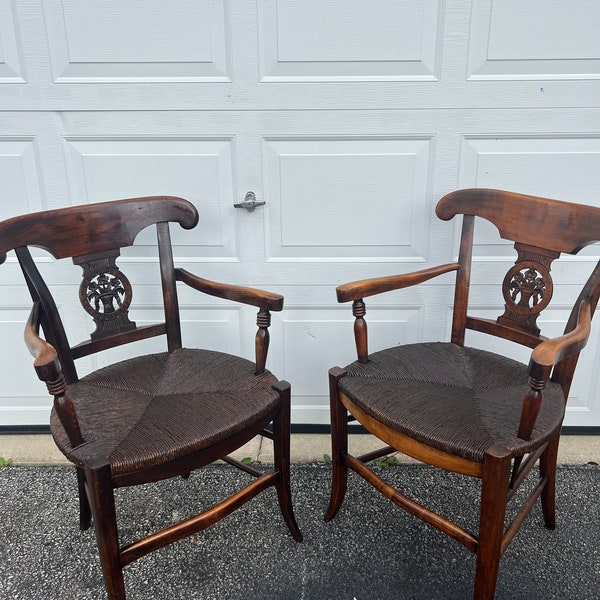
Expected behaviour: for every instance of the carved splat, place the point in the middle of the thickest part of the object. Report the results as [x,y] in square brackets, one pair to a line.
[105,293]
[527,288]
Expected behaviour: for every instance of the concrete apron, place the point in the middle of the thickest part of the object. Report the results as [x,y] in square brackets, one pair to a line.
[39,449]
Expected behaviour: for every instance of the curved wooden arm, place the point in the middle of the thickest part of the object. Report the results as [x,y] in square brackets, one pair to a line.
[48,369]
[543,358]
[377,285]
[265,301]
[552,351]
[237,293]
[357,290]
[46,362]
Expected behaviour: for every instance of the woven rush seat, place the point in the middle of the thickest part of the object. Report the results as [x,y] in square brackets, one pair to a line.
[432,391]
[207,396]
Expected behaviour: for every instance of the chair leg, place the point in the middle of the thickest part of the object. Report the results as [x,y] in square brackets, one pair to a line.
[548,469]
[102,503]
[494,494]
[85,513]
[339,445]
[281,452]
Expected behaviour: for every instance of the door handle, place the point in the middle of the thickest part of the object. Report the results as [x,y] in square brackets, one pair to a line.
[249,202]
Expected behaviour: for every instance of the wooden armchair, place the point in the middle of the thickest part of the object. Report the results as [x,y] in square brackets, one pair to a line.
[154,416]
[467,410]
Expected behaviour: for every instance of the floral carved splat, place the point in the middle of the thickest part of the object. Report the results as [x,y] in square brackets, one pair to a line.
[527,288]
[105,293]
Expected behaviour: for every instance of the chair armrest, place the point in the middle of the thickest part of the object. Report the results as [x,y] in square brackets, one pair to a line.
[46,363]
[357,290]
[543,358]
[237,293]
[265,301]
[48,369]
[550,352]
[377,285]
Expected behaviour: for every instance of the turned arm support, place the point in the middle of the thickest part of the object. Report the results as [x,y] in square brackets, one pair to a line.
[544,358]
[357,290]
[48,369]
[265,301]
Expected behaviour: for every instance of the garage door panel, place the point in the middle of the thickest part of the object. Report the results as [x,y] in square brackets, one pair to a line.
[347,198]
[348,118]
[537,39]
[200,170]
[19,168]
[341,41]
[11,63]
[138,41]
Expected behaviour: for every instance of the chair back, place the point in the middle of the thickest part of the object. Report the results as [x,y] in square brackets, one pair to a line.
[542,230]
[92,236]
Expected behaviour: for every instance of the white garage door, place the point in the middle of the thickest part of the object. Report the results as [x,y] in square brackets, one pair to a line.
[349,118]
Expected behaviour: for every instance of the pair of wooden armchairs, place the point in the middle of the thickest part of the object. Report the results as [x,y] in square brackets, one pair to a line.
[449,405]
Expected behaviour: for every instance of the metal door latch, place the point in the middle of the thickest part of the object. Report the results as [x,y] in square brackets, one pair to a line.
[249,202]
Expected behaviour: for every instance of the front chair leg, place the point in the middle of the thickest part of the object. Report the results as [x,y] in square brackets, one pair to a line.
[548,469]
[339,444]
[494,494]
[281,452]
[85,513]
[102,503]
